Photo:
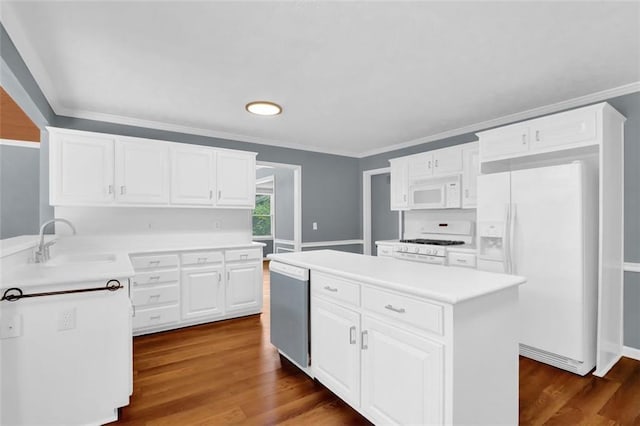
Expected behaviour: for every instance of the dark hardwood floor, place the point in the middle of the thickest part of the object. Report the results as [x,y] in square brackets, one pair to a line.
[228,373]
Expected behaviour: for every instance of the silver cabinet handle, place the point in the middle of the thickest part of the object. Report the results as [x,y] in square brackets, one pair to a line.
[154,317]
[154,262]
[461,261]
[466,193]
[154,278]
[352,335]
[123,189]
[244,256]
[404,197]
[211,194]
[331,289]
[436,163]
[202,260]
[154,297]
[110,189]
[398,310]
[524,139]
[228,277]
[364,340]
[429,164]
[219,277]
[219,194]
[537,135]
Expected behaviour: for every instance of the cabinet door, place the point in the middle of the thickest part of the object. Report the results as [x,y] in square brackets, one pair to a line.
[510,141]
[569,128]
[447,161]
[399,184]
[142,171]
[420,165]
[81,169]
[470,171]
[244,287]
[335,349]
[202,293]
[192,176]
[402,376]
[236,179]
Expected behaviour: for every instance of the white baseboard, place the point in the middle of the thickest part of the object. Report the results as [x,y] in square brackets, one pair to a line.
[331,243]
[630,352]
[631,267]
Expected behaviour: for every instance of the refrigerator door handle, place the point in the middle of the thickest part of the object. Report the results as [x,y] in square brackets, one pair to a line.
[512,237]
[506,249]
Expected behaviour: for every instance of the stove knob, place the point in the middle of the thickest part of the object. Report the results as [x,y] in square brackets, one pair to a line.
[404,248]
[416,249]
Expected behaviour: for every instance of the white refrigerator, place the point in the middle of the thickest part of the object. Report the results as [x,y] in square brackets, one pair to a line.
[541,223]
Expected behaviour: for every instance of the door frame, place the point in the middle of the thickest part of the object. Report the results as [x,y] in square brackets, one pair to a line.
[297,199]
[366,207]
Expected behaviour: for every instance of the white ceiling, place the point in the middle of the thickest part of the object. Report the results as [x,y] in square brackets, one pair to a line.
[354,78]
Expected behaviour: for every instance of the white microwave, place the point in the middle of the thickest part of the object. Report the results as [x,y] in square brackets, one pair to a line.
[435,193]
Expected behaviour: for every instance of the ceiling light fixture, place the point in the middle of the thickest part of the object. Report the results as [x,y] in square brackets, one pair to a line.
[263,108]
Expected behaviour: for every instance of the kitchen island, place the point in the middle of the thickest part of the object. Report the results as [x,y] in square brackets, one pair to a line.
[412,343]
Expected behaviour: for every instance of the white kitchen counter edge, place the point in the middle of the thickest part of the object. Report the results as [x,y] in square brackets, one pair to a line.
[440,297]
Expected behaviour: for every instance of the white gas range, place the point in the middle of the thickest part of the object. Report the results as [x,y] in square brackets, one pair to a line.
[431,246]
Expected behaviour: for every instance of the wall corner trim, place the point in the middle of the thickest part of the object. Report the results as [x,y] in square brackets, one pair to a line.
[631,267]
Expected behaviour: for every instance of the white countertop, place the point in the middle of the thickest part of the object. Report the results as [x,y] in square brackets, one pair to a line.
[439,283]
[119,247]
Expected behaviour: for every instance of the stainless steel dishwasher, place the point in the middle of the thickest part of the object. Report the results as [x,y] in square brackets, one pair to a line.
[290,313]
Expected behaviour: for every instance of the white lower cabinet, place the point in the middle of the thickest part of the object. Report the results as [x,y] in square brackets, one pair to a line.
[172,290]
[244,286]
[401,359]
[402,375]
[202,292]
[335,349]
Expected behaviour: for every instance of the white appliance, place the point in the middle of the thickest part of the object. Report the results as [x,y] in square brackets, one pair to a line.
[542,224]
[432,246]
[435,193]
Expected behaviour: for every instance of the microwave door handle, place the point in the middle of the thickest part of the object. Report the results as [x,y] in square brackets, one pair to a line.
[506,250]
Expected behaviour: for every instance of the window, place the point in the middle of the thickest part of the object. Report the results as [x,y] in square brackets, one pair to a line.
[263,216]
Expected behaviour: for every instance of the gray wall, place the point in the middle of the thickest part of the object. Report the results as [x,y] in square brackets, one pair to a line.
[350,248]
[19,191]
[284,208]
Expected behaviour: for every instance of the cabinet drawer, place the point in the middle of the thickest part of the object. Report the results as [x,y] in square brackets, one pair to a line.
[466,260]
[335,288]
[245,254]
[150,317]
[385,250]
[424,315]
[155,295]
[154,261]
[202,258]
[154,277]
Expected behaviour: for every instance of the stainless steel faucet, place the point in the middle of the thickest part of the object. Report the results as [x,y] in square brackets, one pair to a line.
[42,254]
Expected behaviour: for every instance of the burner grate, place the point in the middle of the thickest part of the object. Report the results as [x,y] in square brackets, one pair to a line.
[433,242]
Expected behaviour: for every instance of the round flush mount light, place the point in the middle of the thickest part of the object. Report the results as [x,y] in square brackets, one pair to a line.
[263,108]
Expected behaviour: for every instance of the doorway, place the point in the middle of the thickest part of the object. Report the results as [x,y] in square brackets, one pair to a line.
[378,220]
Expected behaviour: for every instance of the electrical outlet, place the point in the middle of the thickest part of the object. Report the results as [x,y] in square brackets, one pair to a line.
[67,320]
[315,226]
[10,326]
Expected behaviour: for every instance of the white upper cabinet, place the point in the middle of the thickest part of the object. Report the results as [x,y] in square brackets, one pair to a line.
[235,177]
[193,175]
[440,162]
[471,169]
[566,130]
[81,169]
[98,169]
[447,161]
[399,183]
[142,171]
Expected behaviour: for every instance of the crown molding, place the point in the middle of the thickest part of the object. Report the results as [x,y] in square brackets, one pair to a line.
[178,128]
[512,118]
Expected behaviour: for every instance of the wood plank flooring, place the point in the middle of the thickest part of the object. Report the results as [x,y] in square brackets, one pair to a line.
[228,373]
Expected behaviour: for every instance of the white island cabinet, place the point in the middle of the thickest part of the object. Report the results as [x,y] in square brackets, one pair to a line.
[410,343]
